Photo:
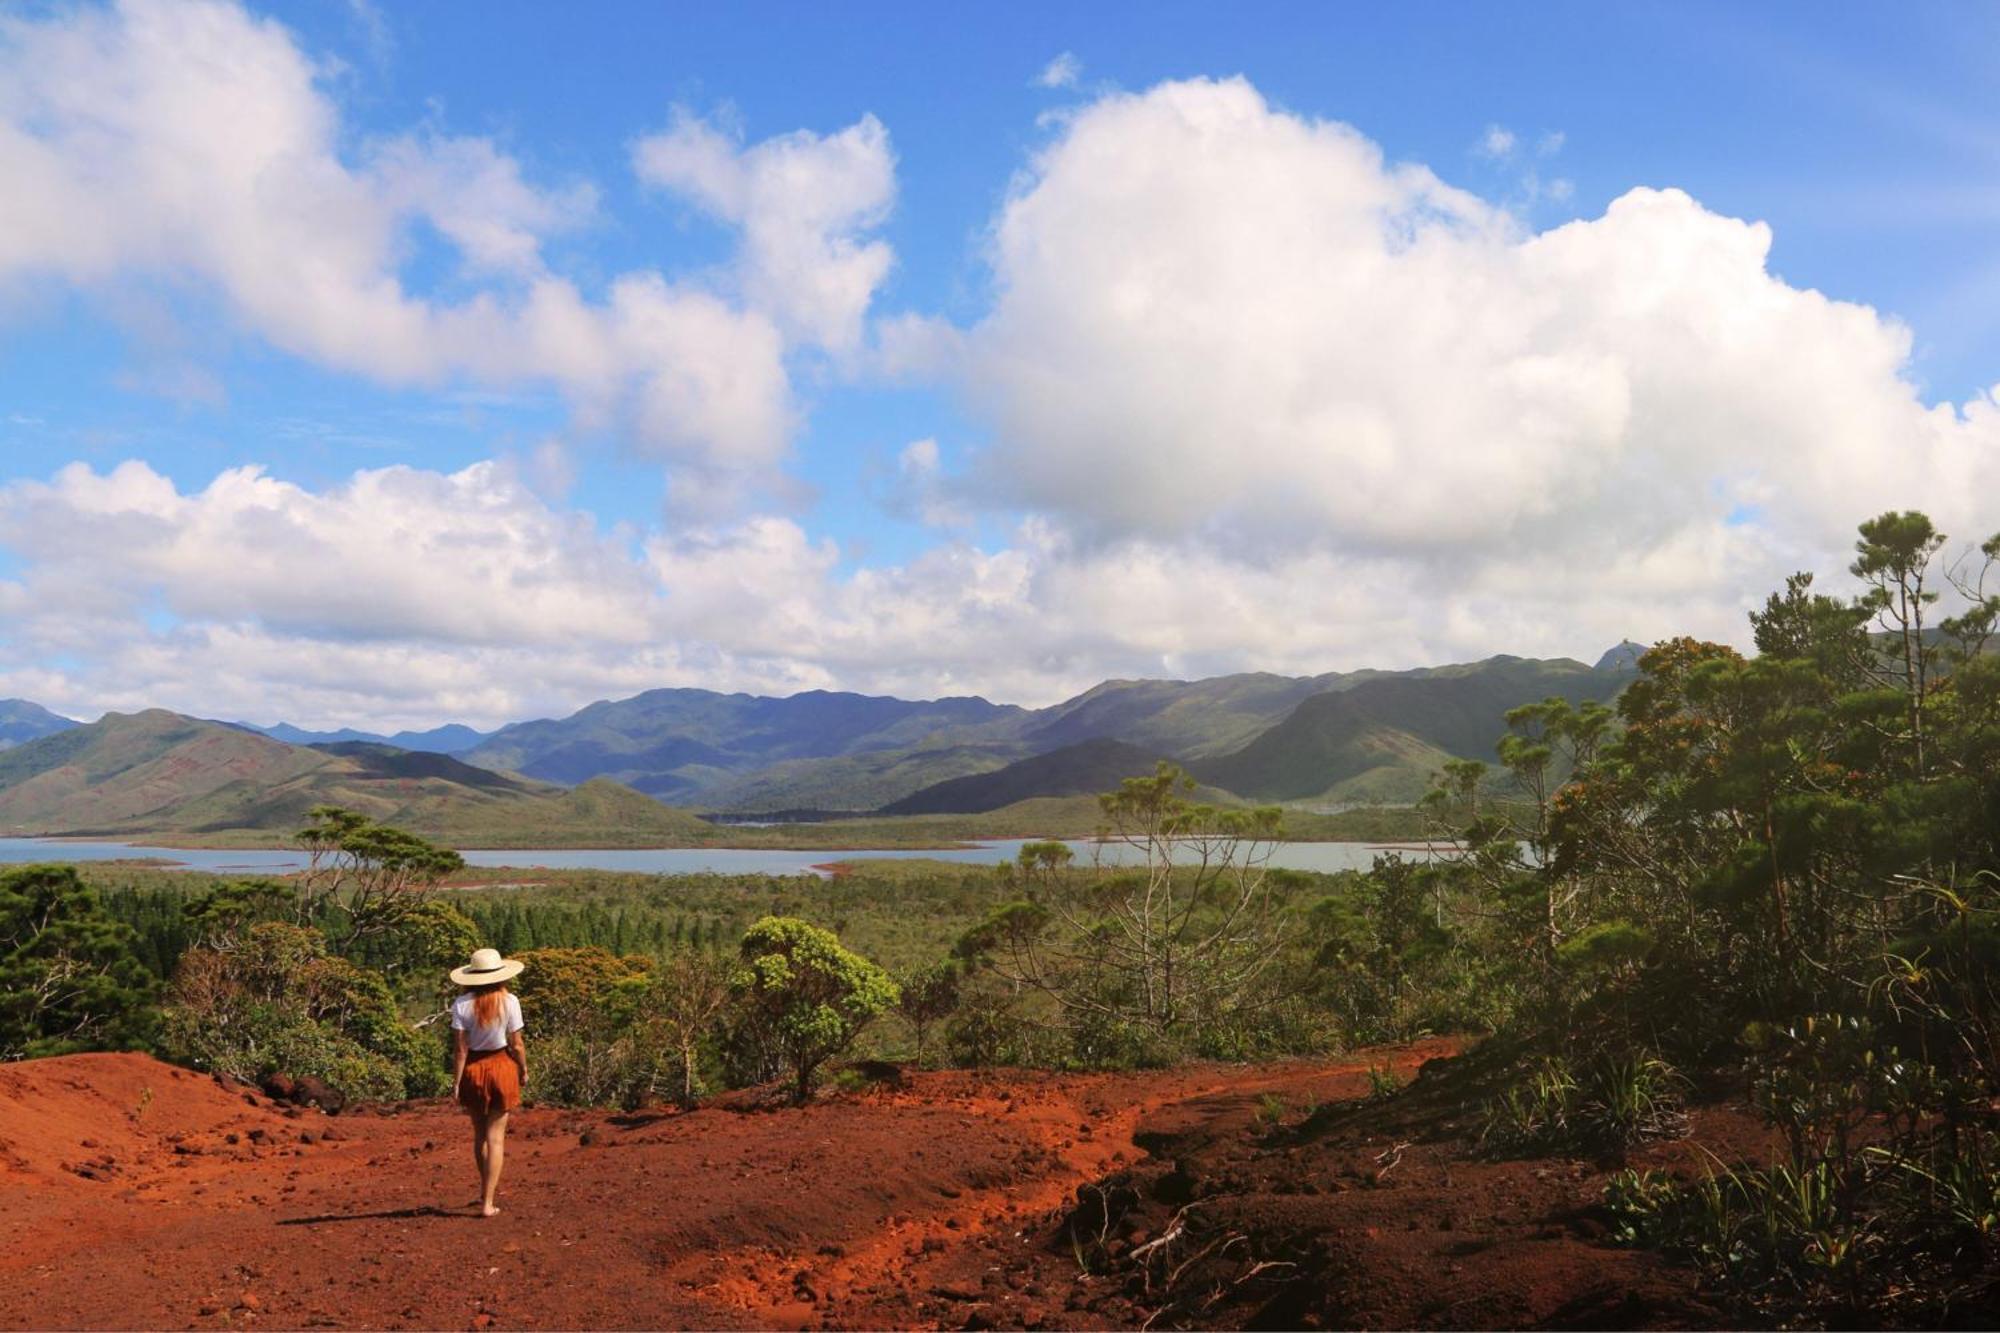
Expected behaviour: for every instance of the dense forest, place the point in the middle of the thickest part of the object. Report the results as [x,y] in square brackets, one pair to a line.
[1772,876]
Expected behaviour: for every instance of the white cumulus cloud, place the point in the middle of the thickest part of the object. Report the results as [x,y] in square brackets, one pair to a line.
[190,139]
[1225,327]
[804,202]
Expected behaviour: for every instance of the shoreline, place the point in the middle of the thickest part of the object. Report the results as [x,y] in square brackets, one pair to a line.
[171,843]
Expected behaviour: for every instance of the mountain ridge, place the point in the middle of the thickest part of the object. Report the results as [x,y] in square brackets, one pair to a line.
[24,720]
[156,772]
[1081,769]
[1367,736]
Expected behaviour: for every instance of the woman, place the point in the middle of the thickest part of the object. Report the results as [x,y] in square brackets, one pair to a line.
[489,1061]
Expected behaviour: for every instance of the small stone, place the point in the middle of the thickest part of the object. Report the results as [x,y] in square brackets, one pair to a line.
[307,1136]
[249,1301]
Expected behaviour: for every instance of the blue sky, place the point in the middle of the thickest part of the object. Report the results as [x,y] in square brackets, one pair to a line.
[1029,549]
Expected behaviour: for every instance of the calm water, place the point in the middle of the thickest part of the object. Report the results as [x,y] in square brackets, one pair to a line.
[656,861]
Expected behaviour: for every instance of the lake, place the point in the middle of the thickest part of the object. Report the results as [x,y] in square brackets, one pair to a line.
[1322,856]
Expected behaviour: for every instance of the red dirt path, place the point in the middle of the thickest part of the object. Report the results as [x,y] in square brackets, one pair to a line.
[136,1194]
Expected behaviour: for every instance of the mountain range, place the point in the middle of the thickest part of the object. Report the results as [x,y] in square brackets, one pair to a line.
[452,738]
[157,772]
[621,767]
[1339,738]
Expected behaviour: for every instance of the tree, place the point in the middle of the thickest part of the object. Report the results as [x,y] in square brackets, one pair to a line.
[1893,556]
[1802,625]
[368,873]
[218,917]
[69,978]
[929,995]
[685,1003]
[1973,628]
[427,940]
[1166,946]
[1546,743]
[807,994]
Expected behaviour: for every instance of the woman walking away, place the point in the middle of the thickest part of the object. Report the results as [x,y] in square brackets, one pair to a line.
[489,1061]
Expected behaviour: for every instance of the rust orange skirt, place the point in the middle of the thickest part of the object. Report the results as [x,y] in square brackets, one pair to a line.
[492,1083]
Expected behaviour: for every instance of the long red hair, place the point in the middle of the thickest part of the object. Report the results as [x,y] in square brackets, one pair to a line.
[487,1002]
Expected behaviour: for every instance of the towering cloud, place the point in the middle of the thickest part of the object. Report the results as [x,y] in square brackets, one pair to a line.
[1224,324]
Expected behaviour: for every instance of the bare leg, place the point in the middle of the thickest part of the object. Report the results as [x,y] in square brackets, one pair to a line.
[478,1152]
[495,1158]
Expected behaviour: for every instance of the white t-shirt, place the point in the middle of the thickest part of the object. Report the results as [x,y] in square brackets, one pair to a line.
[490,1036]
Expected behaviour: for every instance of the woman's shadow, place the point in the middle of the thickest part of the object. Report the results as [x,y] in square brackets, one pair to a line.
[427,1210]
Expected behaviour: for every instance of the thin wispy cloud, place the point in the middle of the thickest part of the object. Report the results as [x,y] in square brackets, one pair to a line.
[1062,72]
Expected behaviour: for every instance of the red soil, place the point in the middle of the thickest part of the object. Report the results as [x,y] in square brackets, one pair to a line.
[136,1194]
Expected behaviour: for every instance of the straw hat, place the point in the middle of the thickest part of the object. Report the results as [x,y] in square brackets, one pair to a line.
[485,967]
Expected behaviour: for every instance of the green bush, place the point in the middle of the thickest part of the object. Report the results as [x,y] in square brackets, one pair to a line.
[579,1008]
[69,977]
[804,996]
[277,1002]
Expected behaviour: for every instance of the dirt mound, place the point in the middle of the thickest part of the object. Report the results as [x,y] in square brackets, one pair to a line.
[91,1116]
[948,1200]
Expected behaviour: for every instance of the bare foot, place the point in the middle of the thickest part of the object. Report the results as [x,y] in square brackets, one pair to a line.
[490,1210]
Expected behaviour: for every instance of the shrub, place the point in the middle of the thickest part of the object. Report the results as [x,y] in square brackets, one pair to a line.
[805,995]
[277,1002]
[988,1029]
[1616,1100]
[579,1008]
[928,996]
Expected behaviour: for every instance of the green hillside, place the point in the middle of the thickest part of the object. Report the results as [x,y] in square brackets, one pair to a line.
[1083,769]
[161,774]
[137,770]
[1188,719]
[1381,739]
[680,745]
[856,782]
